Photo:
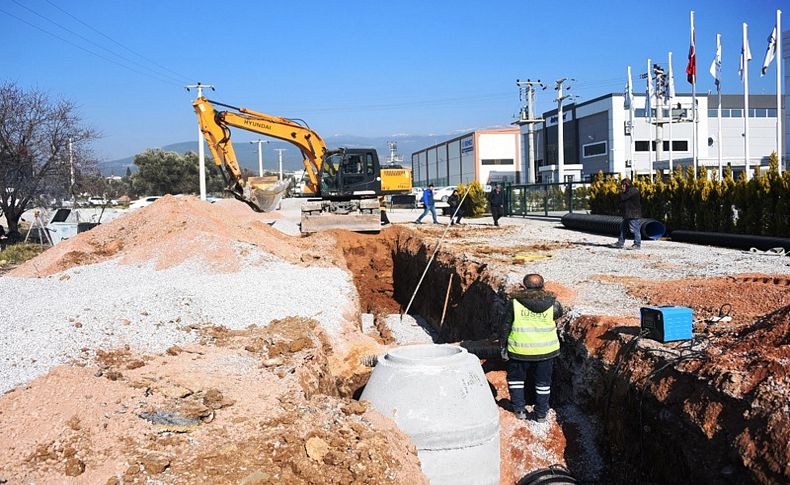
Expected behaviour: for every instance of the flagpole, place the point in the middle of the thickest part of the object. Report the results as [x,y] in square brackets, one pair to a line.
[779,88]
[649,107]
[631,121]
[744,53]
[694,135]
[669,88]
[718,110]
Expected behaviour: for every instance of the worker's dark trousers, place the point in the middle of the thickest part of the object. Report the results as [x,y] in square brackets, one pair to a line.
[516,377]
[496,213]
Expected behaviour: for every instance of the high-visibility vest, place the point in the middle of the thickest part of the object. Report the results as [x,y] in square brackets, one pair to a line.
[532,334]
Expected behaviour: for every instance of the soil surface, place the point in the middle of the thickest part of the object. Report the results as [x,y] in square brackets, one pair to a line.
[254,406]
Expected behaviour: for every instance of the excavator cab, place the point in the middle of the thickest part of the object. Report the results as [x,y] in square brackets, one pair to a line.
[350,171]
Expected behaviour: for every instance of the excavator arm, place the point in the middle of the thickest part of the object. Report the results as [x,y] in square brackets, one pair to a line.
[256,191]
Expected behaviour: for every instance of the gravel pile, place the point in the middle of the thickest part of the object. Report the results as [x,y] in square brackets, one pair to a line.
[52,320]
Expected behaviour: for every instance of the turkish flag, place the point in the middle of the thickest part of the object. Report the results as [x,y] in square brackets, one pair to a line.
[691,68]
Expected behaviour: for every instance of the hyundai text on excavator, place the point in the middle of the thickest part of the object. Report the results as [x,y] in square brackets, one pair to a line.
[345,184]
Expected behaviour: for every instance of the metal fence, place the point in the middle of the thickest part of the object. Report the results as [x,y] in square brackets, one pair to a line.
[547,200]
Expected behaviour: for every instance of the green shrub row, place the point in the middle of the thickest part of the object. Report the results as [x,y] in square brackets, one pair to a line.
[760,206]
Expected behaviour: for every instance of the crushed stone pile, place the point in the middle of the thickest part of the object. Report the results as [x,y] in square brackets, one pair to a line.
[149,279]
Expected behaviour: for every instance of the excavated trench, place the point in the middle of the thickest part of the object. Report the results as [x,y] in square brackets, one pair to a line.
[653,423]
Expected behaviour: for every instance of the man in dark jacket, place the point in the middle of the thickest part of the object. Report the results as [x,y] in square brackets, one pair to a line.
[632,214]
[429,205]
[453,201]
[528,340]
[497,201]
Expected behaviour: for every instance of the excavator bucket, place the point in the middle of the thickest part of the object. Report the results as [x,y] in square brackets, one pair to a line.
[347,222]
[265,193]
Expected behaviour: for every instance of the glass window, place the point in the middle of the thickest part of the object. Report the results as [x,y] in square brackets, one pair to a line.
[759,113]
[594,149]
[770,113]
[665,112]
[680,146]
[369,167]
[639,113]
[642,145]
[497,161]
[725,113]
[712,113]
[736,113]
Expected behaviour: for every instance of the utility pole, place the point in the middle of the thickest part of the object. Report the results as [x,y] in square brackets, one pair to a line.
[260,154]
[201,147]
[560,121]
[71,175]
[280,154]
[526,94]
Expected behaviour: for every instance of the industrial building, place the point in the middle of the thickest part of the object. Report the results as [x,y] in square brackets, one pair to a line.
[596,136]
[486,155]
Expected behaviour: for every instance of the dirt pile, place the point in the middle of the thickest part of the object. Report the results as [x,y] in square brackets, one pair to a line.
[750,295]
[253,406]
[169,232]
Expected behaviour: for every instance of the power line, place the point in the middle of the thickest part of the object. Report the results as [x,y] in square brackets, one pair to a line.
[86,50]
[89,41]
[180,75]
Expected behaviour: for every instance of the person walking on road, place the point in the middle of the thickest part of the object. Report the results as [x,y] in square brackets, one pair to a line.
[455,212]
[528,341]
[496,199]
[632,214]
[430,205]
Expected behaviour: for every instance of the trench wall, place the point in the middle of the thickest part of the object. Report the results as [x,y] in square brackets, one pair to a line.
[661,424]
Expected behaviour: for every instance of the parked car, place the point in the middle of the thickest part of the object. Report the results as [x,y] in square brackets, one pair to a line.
[441,194]
[144,201]
[100,201]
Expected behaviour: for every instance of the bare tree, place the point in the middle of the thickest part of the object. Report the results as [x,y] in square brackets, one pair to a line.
[34,149]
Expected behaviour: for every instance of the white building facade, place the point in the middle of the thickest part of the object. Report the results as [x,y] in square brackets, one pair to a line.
[486,155]
[598,136]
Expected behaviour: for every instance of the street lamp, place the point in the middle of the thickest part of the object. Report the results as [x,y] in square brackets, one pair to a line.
[260,154]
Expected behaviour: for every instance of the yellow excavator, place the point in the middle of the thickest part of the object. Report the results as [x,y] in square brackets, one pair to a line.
[345,185]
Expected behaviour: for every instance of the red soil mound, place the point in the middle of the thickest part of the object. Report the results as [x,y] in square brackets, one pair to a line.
[169,232]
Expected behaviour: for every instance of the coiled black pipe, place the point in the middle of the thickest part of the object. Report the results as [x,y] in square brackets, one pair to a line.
[610,225]
[736,241]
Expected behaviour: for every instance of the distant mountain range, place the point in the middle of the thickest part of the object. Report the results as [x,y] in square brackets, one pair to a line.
[248,153]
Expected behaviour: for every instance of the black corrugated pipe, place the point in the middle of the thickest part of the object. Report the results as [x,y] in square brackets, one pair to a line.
[483,349]
[610,225]
[736,241]
[553,474]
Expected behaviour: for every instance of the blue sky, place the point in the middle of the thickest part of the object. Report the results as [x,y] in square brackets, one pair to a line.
[354,67]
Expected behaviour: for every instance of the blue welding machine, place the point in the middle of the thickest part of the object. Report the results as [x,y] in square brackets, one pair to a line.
[667,323]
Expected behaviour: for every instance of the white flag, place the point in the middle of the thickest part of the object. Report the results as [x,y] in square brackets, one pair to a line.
[746,56]
[715,66]
[770,53]
[670,92]
[629,92]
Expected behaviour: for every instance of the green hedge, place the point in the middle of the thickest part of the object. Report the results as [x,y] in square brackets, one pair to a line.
[760,206]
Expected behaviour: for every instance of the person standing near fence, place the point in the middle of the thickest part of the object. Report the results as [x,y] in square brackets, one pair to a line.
[496,199]
[632,214]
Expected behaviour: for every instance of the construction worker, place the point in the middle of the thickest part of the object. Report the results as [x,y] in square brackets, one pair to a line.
[528,341]
[632,213]
[496,199]
[429,205]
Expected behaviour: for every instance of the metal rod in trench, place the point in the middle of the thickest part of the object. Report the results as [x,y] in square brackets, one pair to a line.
[435,251]
[446,300]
